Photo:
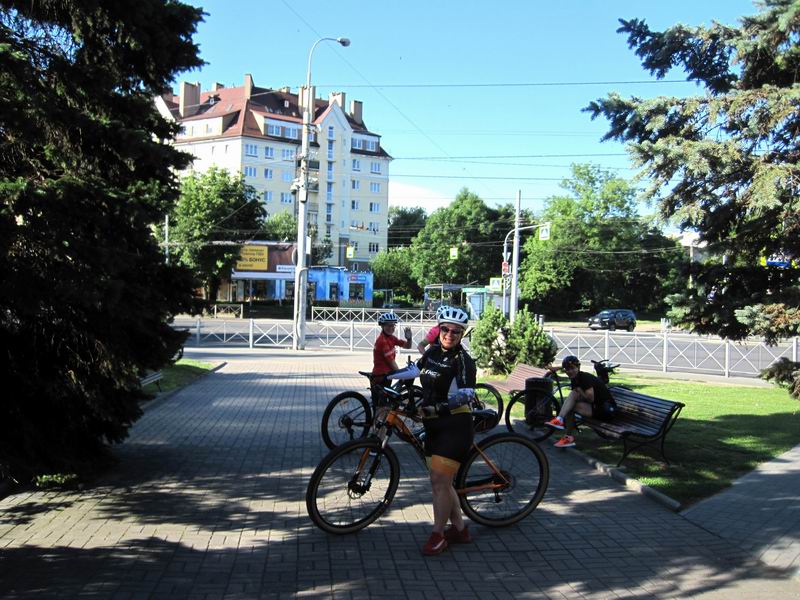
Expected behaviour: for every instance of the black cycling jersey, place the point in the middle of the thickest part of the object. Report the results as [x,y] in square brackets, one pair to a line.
[442,372]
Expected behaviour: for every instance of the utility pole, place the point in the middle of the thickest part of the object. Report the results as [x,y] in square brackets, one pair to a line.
[515,261]
[166,240]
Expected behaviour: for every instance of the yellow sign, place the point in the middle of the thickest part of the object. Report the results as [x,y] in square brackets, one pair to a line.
[351,252]
[453,253]
[252,258]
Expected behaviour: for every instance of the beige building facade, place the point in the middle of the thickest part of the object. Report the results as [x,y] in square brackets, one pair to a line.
[257,132]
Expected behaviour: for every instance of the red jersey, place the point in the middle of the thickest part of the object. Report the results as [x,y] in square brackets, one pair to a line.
[384,353]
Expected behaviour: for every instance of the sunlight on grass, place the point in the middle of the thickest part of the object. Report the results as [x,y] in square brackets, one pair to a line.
[179,375]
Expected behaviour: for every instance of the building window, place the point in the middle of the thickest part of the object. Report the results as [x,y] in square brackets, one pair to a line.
[374,247]
[330,149]
[273,129]
[374,167]
[374,207]
[372,145]
[373,226]
[354,204]
[267,196]
[329,208]
[356,164]
[375,188]
[330,171]
[354,246]
[355,184]
[287,154]
[287,176]
[329,218]
[354,224]
[249,171]
[286,198]
[250,150]
[357,144]
[269,152]
[328,230]
[267,173]
[291,132]
[329,192]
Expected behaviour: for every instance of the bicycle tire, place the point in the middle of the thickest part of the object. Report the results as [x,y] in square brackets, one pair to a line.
[347,417]
[484,392]
[532,425]
[523,465]
[338,504]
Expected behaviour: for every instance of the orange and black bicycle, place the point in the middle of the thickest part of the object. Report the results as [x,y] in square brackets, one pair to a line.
[502,480]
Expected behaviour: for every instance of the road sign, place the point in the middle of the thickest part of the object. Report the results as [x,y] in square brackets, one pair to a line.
[351,252]
[544,232]
[495,284]
[453,253]
[505,267]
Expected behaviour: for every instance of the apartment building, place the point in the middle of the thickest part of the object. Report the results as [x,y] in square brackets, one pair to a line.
[257,131]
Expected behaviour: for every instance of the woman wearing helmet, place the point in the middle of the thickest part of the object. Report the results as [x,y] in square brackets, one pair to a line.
[433,334]
[447,373]
[589,397]
[384,353]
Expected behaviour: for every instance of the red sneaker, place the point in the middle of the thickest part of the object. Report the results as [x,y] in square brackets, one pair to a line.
[436,545]
[567,441]
[454,536]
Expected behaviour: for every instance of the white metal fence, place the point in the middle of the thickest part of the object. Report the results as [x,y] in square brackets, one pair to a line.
[665,351]
[369,315]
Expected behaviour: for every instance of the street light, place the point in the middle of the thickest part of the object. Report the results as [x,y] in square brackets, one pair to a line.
[513,308]
[301,271]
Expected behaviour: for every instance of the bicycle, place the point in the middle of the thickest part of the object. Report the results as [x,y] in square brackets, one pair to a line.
[546,406]
[349,415]
[502,480]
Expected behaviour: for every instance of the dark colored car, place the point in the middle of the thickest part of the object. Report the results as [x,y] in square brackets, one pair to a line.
[613,318]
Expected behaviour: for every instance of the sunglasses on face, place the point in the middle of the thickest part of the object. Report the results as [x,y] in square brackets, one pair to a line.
[445,330]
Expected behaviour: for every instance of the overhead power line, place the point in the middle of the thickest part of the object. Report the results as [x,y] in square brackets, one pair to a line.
[508,84]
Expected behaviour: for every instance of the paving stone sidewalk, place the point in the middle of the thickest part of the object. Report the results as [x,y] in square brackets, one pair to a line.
[208,502]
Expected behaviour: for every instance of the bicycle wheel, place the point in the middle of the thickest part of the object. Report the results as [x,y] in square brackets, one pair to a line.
[531,422]
[347,417]
[352,486]
[489,397]
[518,476]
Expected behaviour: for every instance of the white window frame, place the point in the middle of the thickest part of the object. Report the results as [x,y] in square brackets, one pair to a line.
[267,196]
[356,164]
[354,204]
[269,152]
[249,171]
[287,153]
[375,167]
[251,150]
[267,173]
[273,129]
[375,187]
[286,198]
[355,184]
[374,207]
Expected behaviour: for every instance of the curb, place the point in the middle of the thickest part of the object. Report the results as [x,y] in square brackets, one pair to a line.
[161,398]
[629,482]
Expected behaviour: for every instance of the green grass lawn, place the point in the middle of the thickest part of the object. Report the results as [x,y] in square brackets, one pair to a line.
[181,374]
[723,432]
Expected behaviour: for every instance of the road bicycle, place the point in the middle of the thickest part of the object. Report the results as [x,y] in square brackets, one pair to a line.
[528,415]
[502,480]
[349,415]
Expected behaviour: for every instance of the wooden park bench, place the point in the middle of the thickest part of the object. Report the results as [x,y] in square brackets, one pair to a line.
[516,379]
[151,377]
[639,420]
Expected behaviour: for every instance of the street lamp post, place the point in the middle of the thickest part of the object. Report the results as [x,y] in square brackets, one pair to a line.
[512,309]
[301,270]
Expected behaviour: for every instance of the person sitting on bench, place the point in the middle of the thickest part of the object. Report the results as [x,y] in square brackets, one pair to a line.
[589,397]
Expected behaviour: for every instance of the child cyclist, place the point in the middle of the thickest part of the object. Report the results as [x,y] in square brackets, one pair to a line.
[589,397]
[384,354]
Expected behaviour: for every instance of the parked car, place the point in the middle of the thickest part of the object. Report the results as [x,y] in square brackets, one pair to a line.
[613,318]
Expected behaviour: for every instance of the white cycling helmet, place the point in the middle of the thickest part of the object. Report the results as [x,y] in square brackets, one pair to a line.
[387,318]
[454,315]
[441,310]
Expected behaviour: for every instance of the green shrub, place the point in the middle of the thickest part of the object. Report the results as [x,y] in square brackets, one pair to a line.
[785,373]
[528,343]
[489,342]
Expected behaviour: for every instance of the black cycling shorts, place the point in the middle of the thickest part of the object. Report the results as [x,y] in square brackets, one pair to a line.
[449,436]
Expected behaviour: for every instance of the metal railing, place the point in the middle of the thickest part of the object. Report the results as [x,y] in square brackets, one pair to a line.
[227,311]
[369,315]
[664,351]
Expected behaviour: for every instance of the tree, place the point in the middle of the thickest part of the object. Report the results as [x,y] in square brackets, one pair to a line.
[470,226]
[404,224]
[86,170]
[392,269]
[282,226]
[214,209]
[600,252]
[724,163]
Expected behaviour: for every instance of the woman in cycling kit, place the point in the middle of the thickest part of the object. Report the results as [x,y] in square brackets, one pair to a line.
[447,373]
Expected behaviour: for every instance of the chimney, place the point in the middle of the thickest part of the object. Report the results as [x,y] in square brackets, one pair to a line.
[190,99]
[338,98]
[301,99]
[217,86]
[356,111]
[248,86]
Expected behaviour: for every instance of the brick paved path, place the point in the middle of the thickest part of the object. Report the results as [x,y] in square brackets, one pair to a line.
[208,502]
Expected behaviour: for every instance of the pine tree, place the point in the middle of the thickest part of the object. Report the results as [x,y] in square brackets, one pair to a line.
[85,172]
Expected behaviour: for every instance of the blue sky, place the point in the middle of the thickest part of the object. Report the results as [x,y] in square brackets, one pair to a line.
[488,54]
